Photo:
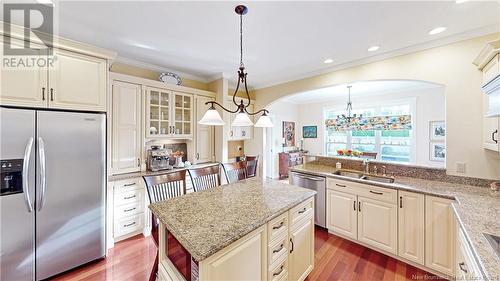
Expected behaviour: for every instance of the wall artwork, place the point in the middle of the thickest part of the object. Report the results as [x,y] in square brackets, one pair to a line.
[289,133]
[437,130]
[437,151]
[310,132]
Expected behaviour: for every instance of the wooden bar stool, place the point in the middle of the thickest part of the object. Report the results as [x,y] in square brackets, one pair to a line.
[205,177]
[252,164]
[235,171]
[160,188]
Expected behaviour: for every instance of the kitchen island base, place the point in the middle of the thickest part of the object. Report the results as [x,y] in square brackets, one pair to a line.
[281,249]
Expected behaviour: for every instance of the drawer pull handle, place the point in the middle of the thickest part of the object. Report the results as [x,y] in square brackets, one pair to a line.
[341,185]
[462,265]
[279,272]
[129,197]
[375,192]
[279,226]
[303,210]
[128,210]
[279,249]
[130,224]
[129,184]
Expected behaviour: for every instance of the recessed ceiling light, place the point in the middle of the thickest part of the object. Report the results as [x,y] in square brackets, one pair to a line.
[437,30]
[328,61]
[373,48]
[461,1]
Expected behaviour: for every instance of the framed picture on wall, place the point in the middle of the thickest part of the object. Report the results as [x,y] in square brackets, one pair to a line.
[437,130]
[437,151]
[289,133]
[309,132]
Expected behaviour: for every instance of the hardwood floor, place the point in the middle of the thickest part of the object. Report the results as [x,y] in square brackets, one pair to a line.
[335,259]
[340,259]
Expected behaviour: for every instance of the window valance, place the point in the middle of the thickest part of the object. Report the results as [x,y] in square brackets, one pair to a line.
[395,122]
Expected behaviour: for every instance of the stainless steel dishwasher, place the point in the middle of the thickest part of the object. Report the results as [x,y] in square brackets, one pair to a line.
[317,184]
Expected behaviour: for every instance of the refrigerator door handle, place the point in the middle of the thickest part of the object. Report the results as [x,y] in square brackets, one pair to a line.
[41,155]
[26,165]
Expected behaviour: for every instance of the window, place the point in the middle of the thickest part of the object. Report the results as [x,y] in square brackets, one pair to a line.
[390,145]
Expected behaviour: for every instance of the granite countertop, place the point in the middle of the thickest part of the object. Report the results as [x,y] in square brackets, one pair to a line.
[477,209]
[125,176]
[207,221]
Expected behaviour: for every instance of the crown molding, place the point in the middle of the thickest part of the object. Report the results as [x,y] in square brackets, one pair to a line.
[154,67]
[490,29]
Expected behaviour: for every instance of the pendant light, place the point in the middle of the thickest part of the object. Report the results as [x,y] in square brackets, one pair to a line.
[347,118]
[242,119]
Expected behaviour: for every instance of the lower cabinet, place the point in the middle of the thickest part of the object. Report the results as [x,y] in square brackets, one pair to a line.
[342,214]
[440,235]
[301,249]
[377,224]
[466,266]
[417,228]
[411,226]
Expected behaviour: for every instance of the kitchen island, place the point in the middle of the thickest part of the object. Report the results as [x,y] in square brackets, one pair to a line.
[254,229]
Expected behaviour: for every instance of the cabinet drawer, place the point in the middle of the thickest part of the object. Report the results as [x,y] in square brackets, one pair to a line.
[466,264]
[128,209]
[277,227]
[278,249]
[366,190]
[303,210]
[280,271]
[128,185]
[133,196]
[128,224]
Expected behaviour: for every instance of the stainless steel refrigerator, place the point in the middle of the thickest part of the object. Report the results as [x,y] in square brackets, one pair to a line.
[52,199]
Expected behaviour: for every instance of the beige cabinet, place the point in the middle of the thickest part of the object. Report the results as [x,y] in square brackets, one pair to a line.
[226,264]
[301,259]
[77,82]
[377,224]
[126,127]
[169,114]
[21,86]
[342,215]
[466,265]
[440,229]
[204,135]
[491,140]
[73,81]
[240,133]
[411,226]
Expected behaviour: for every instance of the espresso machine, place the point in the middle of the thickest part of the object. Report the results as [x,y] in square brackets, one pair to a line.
[158,159]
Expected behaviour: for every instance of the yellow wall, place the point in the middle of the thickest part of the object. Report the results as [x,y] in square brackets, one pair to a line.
[449,65]
[153,75]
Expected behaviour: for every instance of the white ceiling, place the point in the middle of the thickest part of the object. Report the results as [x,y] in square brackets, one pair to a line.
[358,90]
[282,40]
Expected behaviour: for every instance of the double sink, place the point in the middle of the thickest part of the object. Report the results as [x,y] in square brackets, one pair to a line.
[363,176]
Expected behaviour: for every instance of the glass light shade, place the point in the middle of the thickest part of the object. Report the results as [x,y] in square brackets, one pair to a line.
[211,117]
[242,120]
[264,122]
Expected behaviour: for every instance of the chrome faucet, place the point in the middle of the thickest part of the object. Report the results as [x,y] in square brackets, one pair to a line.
[384,170]
[366,164]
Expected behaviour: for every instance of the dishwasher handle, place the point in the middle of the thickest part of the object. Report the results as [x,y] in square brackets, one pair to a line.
[308,177]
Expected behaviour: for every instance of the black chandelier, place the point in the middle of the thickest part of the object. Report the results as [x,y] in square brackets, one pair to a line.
[212,116]
[347,118]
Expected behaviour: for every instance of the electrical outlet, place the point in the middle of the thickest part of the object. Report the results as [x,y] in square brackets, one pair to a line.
[461,167]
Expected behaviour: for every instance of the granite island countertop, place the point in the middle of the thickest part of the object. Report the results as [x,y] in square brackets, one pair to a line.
[208,221]
[477,209]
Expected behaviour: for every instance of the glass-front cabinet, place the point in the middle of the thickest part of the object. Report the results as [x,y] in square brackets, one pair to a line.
[169,114]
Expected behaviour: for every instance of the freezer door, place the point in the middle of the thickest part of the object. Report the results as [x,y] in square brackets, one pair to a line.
[17,223]
[70,207]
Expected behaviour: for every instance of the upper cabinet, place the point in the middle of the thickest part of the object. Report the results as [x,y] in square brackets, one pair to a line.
[204,135]
[169,114]
[72,80]
[488,61]
[240,133]
[77,82]
[126,127]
